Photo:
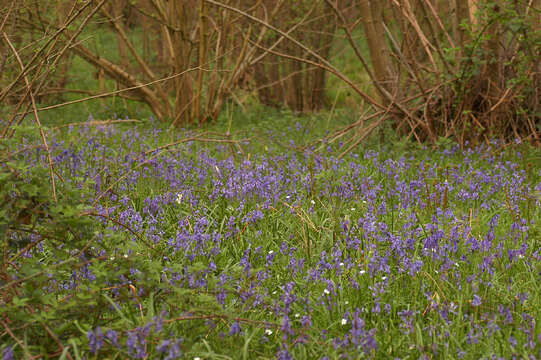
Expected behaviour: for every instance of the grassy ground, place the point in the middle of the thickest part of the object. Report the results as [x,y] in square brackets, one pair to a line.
[214,251]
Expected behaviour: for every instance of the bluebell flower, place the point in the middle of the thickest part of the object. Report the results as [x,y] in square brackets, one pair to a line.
[235,328]
[95,339]
[7,353]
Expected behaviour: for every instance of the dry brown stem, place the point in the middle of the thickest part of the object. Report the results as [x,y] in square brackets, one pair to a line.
[36,116]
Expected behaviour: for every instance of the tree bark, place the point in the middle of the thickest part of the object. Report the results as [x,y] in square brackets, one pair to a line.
[493,71]
[463,21]
[370,14]
[120,75]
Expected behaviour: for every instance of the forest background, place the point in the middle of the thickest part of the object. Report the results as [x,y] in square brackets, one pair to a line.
[463,69]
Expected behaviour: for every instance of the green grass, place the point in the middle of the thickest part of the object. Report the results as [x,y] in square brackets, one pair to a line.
[316,224]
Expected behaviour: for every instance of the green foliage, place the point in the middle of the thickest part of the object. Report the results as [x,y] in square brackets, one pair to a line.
[519,45]
[31,218]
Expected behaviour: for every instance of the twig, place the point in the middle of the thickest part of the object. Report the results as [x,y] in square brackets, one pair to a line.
[195,138]
[18,341]
[7,15]
[97,123]
[117,91]
[39,52]
[224,317]
[42,133]
[324,64]
[91,213]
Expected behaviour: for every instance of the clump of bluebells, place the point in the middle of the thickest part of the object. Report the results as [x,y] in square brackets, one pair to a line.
[201,251]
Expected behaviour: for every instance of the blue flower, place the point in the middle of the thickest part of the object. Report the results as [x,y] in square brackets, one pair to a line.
[235,328]
[7,353]
[95,339]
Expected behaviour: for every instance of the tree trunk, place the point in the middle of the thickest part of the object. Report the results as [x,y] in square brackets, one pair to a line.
[128,80]
[493,72]
[463,22]
[370,14]
[178,15]
[117,8]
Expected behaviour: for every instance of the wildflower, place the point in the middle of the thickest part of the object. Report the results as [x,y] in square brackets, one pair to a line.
[476,300]
[326,292]
[284,355]
[268,332]
[344,321]
[235,328]
[164,345]
[312,202]
[112,336]
[523,297]
[306,321]
[362,272]
[286,326]
[297,315]
[95,339]
[7,353]
[179,198]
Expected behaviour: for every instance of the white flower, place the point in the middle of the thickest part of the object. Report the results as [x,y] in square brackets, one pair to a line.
[274,292]
[362,272]
[297,315]
[352,209]
[268,332]
[346,302]
[287,197]
[341,264]
[125,256]
[112,258]
[179,198]
[344,321]
[270,252]
[312,202]
[197,358]
[326,292]
[384,278]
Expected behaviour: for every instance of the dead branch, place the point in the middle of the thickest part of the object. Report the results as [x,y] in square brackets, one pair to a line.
[36,116]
